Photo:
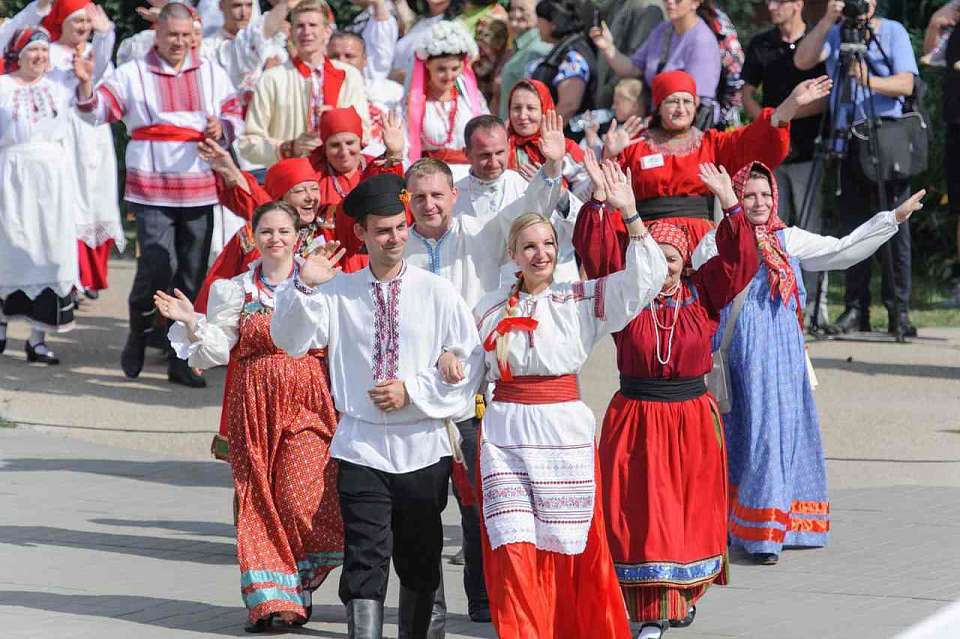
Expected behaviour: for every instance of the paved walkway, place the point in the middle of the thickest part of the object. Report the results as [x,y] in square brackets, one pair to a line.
[115,523]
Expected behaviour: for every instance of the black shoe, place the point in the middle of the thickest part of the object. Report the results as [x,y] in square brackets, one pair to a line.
[766,558]
[659,625]
[850,320]
[364,619]
[480,614]
[262,624]
[90,294]
[3,342]
[131,359]
[179,372]
[900,325]
[686,621]
[46,357]
[458,559]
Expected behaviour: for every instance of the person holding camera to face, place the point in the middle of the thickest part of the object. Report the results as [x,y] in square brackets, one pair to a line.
[875,88]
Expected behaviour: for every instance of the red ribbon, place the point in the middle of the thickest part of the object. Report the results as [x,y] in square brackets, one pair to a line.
[504,326]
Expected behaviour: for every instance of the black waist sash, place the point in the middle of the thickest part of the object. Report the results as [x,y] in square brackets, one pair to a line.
[679,389]
[697,206]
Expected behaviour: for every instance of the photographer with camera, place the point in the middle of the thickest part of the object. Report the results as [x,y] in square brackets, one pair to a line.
[876,87]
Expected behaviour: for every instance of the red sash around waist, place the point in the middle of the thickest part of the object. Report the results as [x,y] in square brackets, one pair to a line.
[537,389]
[166,133]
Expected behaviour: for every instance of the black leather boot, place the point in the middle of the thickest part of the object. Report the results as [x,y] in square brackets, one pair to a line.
[417,618]
[364,619]
[141,325]
[179,372]
[438,616]
[851,319]
[899,324]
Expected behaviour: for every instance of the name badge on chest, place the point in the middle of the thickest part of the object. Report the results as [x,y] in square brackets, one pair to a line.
[651,161]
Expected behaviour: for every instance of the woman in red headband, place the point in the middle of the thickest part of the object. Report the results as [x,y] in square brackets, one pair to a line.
[665,158]
[281,420]
[528,101]
[661,459]
[38,224]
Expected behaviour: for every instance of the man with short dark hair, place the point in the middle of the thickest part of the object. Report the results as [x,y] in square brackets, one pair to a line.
[169,188]
[491,187]
[283,120]
[769,67]
[386,327]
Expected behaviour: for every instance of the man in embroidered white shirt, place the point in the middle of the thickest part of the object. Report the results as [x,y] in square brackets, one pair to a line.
[385,328]
[169,101]
[490,187]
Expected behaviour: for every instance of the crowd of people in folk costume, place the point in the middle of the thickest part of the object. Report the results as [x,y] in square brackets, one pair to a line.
[404,254]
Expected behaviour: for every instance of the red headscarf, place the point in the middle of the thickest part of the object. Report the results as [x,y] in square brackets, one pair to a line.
[20,41]
[670,82]
[783,280]
[62,9]
[341,120]
[666,233]
[286,174]
[530,144]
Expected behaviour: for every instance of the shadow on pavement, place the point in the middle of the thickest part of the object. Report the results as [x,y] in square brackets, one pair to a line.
[193,474]
[201,552]
[199,528]
[90,366]
[173,614]
[871,368]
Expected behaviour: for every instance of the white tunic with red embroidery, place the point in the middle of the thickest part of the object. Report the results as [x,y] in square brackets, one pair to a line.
[377,331]
[528,451]
[149,92]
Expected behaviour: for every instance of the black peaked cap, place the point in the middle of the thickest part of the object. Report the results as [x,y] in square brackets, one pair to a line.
[378,195]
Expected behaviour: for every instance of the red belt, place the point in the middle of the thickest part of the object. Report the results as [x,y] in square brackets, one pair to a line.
[166,133]
[537,389]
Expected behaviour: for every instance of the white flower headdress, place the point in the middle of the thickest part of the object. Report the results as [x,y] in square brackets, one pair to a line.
[448,37]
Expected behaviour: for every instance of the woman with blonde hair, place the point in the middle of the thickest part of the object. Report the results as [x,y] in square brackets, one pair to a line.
[547,565]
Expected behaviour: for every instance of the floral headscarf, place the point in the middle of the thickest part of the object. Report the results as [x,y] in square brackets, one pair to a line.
[783,280]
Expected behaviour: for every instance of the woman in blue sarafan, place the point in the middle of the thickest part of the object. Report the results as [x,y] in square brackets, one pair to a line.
[778,482]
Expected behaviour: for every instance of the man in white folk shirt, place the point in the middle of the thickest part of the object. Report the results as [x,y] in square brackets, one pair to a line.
[468,251]
[385,328]
[169,101]
[491,186]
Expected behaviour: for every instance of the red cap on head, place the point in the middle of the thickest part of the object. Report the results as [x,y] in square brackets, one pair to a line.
[62,9]
[286,174]
[343,120]
[670,82]
[666,233]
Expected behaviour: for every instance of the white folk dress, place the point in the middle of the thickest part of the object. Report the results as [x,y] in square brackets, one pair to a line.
[530,451]
[38,199]
[93,158]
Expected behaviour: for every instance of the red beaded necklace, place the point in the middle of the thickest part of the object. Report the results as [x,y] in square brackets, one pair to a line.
[450,124]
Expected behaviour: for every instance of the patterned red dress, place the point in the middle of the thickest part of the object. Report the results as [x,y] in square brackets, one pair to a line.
[662,455]
[281,419]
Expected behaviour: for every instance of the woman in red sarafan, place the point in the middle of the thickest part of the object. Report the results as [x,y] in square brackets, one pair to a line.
[662,456]
[665,158]
[281,421]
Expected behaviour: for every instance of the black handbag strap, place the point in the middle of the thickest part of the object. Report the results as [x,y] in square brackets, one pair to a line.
[665,48]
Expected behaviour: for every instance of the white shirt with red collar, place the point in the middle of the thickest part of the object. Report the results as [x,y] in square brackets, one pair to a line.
[165,111]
